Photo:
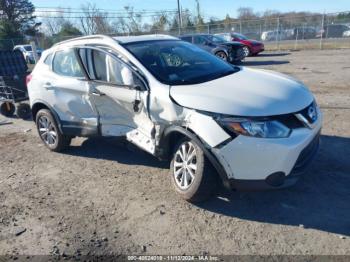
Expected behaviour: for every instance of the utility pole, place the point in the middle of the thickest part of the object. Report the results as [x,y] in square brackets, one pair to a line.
[180,17]
[322,31]
[278,38]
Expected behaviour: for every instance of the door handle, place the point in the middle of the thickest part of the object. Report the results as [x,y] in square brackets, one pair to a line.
[136,105]
[97,93]
[48,86]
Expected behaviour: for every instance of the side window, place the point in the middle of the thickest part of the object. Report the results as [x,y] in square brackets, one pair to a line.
[199,40]
[106,68]
[187,39]
[65,63]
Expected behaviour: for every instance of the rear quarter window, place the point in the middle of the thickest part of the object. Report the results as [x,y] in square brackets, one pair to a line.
[65,63]
[48,59]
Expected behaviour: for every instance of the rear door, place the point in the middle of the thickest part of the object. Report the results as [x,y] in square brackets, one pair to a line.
[66,89]
[120,95]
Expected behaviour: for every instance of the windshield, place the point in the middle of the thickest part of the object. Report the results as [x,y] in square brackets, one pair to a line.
[175,62]
[217,39]
[28,47]
[240,37]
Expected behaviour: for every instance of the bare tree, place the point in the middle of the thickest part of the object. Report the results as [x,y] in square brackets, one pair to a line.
[160,22]
[94,21]
[121,26]
[134,20]
[53,21]
[246,13]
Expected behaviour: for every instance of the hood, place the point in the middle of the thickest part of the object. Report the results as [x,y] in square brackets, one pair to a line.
[254,42]
[248,92]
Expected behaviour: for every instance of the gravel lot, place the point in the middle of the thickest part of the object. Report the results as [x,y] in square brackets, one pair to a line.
[103,196]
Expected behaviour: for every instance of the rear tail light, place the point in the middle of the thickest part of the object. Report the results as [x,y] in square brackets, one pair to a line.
[28,78]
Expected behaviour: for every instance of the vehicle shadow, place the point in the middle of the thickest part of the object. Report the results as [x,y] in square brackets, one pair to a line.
[115,149]
[320,200]
[272,54]
[264,62]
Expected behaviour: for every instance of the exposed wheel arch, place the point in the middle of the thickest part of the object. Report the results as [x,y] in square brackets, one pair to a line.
[36,107]
[170,138]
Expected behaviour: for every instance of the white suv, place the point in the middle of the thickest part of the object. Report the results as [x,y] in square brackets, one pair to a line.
[254,129]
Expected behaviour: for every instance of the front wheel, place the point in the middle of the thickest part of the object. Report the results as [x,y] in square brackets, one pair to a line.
[222,55]
[193,176]
[246,51]
[49,132]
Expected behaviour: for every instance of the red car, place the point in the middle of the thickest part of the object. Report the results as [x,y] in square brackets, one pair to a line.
[252,47]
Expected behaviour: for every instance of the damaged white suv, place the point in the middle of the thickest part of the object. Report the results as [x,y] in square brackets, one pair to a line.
[253,129]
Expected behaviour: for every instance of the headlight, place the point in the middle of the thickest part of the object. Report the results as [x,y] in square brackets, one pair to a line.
[255,128]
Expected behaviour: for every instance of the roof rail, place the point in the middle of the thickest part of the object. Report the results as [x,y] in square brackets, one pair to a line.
[106,37]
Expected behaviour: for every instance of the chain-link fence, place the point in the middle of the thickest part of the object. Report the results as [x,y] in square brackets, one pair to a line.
[321,31]
[282,33]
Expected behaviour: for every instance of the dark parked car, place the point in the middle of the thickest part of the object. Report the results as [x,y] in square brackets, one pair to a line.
[333,31]
[251,47]
[303,33]
[229,51]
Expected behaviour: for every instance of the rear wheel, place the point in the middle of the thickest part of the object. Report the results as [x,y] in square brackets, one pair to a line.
[7,109]
[222,55]
[192,174]
[49,132]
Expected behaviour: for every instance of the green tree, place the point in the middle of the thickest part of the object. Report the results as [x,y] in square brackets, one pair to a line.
[17,20]
[174,26]
[68,30]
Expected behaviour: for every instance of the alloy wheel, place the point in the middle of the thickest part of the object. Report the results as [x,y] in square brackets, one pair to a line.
[221,55]
[246,51]
[47,130]
[185,165]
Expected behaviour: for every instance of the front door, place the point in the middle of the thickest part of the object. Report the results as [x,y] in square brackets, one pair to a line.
[120,97]
[202,42]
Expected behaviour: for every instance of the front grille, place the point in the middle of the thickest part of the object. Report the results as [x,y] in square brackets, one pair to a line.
[290,121]
[306,156]
[306,113]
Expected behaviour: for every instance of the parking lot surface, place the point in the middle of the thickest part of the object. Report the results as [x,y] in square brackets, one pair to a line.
[103,196]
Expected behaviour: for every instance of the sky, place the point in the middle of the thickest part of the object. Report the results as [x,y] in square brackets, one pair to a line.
[209,8]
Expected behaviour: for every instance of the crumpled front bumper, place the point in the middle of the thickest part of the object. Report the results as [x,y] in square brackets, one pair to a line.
[258,164]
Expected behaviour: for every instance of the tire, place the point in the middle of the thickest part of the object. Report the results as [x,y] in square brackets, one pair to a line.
[23,111]
[200,175]
[7,109]
[49,132]
[222,55]
[246,51]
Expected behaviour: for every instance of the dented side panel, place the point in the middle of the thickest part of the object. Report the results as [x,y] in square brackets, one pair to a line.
[206,128]
[165,112]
